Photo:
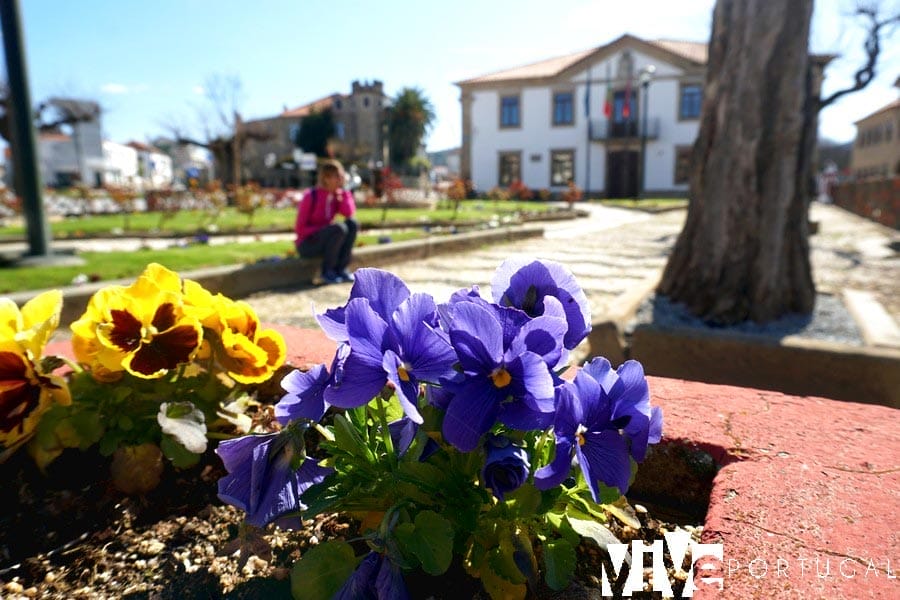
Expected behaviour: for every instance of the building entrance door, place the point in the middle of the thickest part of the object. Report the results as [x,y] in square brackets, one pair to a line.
[622,174]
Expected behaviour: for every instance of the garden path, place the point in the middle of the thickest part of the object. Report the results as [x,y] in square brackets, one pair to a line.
[612,251]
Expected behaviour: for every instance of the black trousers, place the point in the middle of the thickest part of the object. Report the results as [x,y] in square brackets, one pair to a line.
[334,243]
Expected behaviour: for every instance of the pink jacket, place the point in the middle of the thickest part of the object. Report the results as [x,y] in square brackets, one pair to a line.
[313,216]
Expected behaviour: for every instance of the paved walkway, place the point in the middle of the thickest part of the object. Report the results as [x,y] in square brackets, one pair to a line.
[612,251]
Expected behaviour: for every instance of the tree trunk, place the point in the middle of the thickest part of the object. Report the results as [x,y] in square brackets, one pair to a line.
[744,251]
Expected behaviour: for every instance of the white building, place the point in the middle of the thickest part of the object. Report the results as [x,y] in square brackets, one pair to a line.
[120,164]
[545,123]
[154,168]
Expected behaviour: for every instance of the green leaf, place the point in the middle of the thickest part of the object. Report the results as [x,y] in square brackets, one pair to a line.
[321,572]
[502,561]
[624,512]
[185,423]
[524,501]
[348,439]
[433,543]
[559,563]
[180,456]
[499,588]
[587,527]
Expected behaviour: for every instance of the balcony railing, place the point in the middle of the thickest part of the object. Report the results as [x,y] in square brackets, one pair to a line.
[605,129]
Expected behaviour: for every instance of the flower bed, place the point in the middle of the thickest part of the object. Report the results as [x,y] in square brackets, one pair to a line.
[443,433]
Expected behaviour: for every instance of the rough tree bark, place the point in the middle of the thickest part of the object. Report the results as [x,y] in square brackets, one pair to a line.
[744,251]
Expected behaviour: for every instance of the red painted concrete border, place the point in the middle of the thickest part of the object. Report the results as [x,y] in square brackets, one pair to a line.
[807,498]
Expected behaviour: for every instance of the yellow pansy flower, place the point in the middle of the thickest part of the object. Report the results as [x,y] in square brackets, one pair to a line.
[249,354]
[33,324]
[142,329]
[25,394]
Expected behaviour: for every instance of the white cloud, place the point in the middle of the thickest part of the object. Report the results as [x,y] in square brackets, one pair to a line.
[121,88]
[199,90]
[114,88]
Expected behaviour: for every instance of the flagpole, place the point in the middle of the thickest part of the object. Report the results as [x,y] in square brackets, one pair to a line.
[587,154]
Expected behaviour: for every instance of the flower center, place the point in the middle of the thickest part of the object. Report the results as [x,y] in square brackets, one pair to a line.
[501,377]
[403,373]
[148,333]
[579,434]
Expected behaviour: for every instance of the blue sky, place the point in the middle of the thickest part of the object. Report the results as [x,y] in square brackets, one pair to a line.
[146,62]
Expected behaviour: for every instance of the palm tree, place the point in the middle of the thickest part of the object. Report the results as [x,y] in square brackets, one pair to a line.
[409,118]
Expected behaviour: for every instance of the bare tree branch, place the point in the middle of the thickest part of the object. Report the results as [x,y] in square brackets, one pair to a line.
[872,46]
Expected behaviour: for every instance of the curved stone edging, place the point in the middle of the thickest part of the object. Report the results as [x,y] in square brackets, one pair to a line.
[237,281]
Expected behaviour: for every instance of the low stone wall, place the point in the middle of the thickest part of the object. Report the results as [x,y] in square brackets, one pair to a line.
[875,199]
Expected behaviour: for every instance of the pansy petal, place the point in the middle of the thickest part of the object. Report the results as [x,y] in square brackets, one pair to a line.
[306,395]
[360,382]
[383,290]
[333,323]
[405,386]
[604,457]
[556,472]
[366,332]
[165,351]
[477,336]
[470,414]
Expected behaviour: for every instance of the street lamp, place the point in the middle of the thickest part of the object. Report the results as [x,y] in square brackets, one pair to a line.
[646,75]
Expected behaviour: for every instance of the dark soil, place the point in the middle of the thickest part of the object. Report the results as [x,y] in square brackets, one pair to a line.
[69,534]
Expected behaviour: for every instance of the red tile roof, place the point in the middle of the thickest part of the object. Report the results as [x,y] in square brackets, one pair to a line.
[314,106]
[693,51]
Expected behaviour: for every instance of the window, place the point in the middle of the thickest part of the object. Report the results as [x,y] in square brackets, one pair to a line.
[510,168]
[563,112]
[337,105]
[339,130]
[509,111]
[682,164]
[366,101]
[562,167]
[691,99]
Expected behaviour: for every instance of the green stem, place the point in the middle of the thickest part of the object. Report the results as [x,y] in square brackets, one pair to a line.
[385,432]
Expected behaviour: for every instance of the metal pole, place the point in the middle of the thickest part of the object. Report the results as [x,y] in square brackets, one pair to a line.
[22,140]
[643,166]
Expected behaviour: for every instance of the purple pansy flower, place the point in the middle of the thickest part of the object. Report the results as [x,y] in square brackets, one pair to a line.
[526,283]
[267,474]
[305,398]
[601,418]
[405,350]
[384,291]
[506,381]
[376,578]
[506,466]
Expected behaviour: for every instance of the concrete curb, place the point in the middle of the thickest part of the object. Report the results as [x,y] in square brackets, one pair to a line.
[791,365]
[607,337]
[237,281]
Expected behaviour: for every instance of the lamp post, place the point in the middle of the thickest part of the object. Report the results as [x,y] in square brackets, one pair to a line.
[646,75]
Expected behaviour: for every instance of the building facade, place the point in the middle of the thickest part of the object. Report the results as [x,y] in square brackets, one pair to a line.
[876,150]
[154,167]
[270,157]
[618,120]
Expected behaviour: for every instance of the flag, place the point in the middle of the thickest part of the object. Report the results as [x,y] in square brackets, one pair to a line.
[608,102]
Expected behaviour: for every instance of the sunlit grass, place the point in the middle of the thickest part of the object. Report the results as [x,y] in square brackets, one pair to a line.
[105,266]
[230,220]
[647,203]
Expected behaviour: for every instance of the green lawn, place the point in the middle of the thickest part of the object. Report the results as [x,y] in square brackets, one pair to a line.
[189,222]
[116,265]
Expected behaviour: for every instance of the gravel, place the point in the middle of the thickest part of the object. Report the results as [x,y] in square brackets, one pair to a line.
[830,321]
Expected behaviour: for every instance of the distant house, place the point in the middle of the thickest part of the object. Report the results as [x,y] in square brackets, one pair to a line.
[74,151]
[189,161]
[154,168]
[586,117]
[876,151]
[358,118]
[445,163]
[120,165]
